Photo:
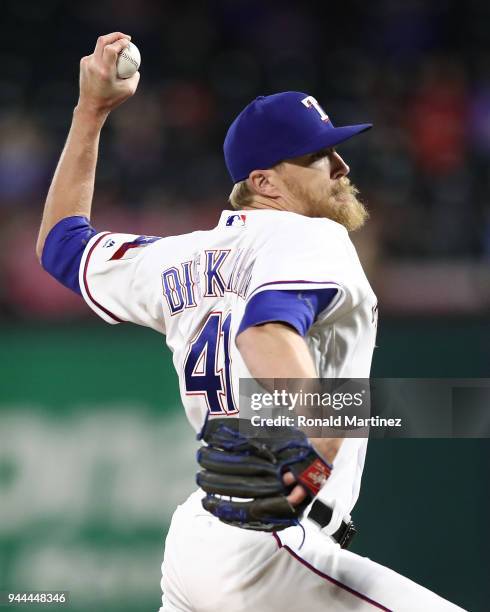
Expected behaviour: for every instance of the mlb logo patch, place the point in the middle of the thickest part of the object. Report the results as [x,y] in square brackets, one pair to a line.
[236,220]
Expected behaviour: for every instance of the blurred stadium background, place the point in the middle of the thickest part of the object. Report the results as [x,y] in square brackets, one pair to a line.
[94,449]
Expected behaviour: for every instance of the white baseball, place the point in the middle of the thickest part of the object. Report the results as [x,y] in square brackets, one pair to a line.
[128,62]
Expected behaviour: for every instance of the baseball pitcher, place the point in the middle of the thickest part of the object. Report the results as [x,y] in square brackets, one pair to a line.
[275,290]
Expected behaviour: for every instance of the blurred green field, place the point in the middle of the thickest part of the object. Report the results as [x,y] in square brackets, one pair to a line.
[95,453]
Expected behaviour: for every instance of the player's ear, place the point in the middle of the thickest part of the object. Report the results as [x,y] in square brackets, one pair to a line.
[262,182]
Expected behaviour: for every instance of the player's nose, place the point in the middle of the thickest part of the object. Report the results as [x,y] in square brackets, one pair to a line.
[338,167]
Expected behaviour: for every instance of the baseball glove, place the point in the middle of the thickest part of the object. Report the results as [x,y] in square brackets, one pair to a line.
[242,470]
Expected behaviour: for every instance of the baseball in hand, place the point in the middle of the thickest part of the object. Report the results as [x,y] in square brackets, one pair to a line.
[128,62]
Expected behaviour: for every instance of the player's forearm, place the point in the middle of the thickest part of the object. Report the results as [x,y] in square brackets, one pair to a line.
[72,187]
[274,351]
[327,447]
[101,90]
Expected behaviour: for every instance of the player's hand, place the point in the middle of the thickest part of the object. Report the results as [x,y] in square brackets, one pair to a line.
[261,480]
[100,88]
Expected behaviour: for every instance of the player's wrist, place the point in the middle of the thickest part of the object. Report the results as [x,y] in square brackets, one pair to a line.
[91,114]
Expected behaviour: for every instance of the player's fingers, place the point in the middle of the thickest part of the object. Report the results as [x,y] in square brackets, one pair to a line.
[297,495]
[288,478]
[110,52]
[133,81]
[117,46]
[107,39]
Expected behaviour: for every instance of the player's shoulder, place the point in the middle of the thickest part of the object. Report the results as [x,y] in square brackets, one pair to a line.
[293,229]
[151,253]
[176,243]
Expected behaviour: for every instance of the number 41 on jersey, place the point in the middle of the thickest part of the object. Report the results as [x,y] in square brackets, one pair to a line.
[202,373]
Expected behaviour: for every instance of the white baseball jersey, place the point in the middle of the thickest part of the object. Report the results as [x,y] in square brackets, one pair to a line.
[194,288]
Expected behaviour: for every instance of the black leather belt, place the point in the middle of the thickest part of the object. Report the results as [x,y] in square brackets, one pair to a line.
[321,514]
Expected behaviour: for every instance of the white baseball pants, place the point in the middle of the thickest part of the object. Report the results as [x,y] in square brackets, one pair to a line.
[210,566]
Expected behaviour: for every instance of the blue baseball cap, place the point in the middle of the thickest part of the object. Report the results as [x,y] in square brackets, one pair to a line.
[278,127]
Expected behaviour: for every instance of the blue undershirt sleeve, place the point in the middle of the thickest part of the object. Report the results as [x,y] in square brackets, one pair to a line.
[63,250]
[297,308]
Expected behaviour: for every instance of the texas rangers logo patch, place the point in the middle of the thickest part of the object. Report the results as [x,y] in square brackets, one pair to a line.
[236,220]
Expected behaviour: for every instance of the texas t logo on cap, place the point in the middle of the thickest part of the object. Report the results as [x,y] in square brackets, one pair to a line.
[311,102]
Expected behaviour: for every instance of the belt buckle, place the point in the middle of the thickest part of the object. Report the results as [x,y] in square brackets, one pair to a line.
[347,535]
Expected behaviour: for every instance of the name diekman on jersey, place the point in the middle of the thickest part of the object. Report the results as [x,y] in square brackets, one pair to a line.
[182,287]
